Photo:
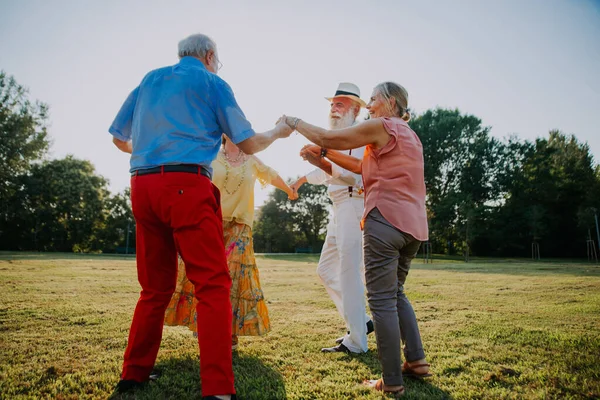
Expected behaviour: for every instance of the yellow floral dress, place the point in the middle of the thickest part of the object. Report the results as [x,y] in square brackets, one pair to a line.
[250,314]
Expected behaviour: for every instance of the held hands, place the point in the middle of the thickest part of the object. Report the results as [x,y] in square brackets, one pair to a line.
[290,122]
[296,185]
[283,128]
[292,193]
[312,154]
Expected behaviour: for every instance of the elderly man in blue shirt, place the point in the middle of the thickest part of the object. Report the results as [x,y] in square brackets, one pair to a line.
[172,125]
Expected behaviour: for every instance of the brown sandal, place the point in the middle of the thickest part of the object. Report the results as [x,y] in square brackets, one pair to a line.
[379,386]
[409,372]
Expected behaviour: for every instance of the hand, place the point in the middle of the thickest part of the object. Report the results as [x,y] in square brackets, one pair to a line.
[292,195]
[298,184]
[315,160]
[284,129]
[312,154]
[310,148]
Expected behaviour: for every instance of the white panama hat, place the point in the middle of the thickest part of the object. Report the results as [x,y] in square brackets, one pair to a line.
[349,90]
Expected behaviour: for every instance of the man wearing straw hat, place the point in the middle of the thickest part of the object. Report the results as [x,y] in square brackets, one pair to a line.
[341,263]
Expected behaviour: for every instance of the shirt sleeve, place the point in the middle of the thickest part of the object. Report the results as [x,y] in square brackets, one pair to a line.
[121,126]
[318,177]
[230,117]
[349,178]
[265,174]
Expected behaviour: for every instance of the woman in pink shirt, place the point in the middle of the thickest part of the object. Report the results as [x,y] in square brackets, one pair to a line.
[394,222]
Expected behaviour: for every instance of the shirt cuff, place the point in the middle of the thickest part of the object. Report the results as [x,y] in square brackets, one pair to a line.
[113,131]
[243,136]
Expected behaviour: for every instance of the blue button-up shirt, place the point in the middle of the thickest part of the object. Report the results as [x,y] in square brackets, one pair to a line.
[177,116]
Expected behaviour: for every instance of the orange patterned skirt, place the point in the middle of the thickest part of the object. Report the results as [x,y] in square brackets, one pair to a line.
[250,314]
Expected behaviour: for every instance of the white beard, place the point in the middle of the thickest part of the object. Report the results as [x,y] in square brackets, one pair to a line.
[344,121]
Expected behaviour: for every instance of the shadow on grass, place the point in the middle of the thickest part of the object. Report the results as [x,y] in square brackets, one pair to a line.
[32,255]
[506,267]
[180,379]
[415,388]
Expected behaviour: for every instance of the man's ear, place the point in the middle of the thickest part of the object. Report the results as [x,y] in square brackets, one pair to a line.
[209,55]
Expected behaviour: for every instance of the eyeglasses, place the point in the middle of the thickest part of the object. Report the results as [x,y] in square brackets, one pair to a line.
[219,63]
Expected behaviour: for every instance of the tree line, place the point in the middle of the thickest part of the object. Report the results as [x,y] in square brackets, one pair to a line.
[52,205]
[485,196]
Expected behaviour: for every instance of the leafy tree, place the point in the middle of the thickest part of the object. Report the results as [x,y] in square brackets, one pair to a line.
[23,141]
[118,231]
[64,206]
[463,175]
[548,199]
[283,226]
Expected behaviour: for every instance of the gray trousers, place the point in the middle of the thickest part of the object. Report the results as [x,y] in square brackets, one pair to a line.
[388,253]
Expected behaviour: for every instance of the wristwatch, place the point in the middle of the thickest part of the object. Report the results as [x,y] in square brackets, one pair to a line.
[323,152]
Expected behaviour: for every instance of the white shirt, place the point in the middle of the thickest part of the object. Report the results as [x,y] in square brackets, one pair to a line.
[340,178]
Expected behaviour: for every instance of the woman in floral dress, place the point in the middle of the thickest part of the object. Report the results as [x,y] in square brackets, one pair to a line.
[235,174]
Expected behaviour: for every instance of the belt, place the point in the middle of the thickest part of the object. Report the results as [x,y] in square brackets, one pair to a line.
[188,168]
[342,194]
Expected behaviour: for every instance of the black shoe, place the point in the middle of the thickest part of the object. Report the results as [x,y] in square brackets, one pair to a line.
[128,385]
[370,329]
[155,374]
[216,398]
[340,348]
[370,326]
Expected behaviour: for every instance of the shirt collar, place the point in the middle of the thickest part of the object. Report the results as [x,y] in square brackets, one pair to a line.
[188,60]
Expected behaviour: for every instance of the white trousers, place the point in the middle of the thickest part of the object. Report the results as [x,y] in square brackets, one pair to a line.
[341,269]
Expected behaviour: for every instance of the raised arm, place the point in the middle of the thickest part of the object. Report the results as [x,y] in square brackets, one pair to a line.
[313,155]
[261,141]
[280,184]
[234,124]
[267,175]
[368,132]
[345,161]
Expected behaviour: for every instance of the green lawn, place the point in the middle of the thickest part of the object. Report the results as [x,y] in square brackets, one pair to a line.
[491,329]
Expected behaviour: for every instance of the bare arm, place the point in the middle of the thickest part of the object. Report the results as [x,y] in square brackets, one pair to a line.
[261,141]
[125,147]
[345,161]
[298,184]
[313,155]
[281,185]
[369,132]
[318,161]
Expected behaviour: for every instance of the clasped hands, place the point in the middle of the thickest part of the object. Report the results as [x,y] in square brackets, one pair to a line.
[287,125]
[310,152]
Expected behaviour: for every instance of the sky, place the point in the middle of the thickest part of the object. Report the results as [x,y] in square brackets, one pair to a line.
[523,67]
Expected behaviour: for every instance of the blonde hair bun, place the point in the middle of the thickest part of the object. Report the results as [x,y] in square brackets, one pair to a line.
[406,117]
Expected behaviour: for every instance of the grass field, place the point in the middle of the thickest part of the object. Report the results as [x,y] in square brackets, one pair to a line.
[491,330]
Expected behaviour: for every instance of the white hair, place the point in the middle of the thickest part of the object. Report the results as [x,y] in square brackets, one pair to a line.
[344,121]
[196,45]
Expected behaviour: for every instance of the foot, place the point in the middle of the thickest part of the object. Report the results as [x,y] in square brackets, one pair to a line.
[379,386]
[340,348]
[128,385]
[370,329]
[155,374]
[416,369]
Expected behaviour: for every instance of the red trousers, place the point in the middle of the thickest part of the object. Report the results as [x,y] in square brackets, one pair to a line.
[180,212]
